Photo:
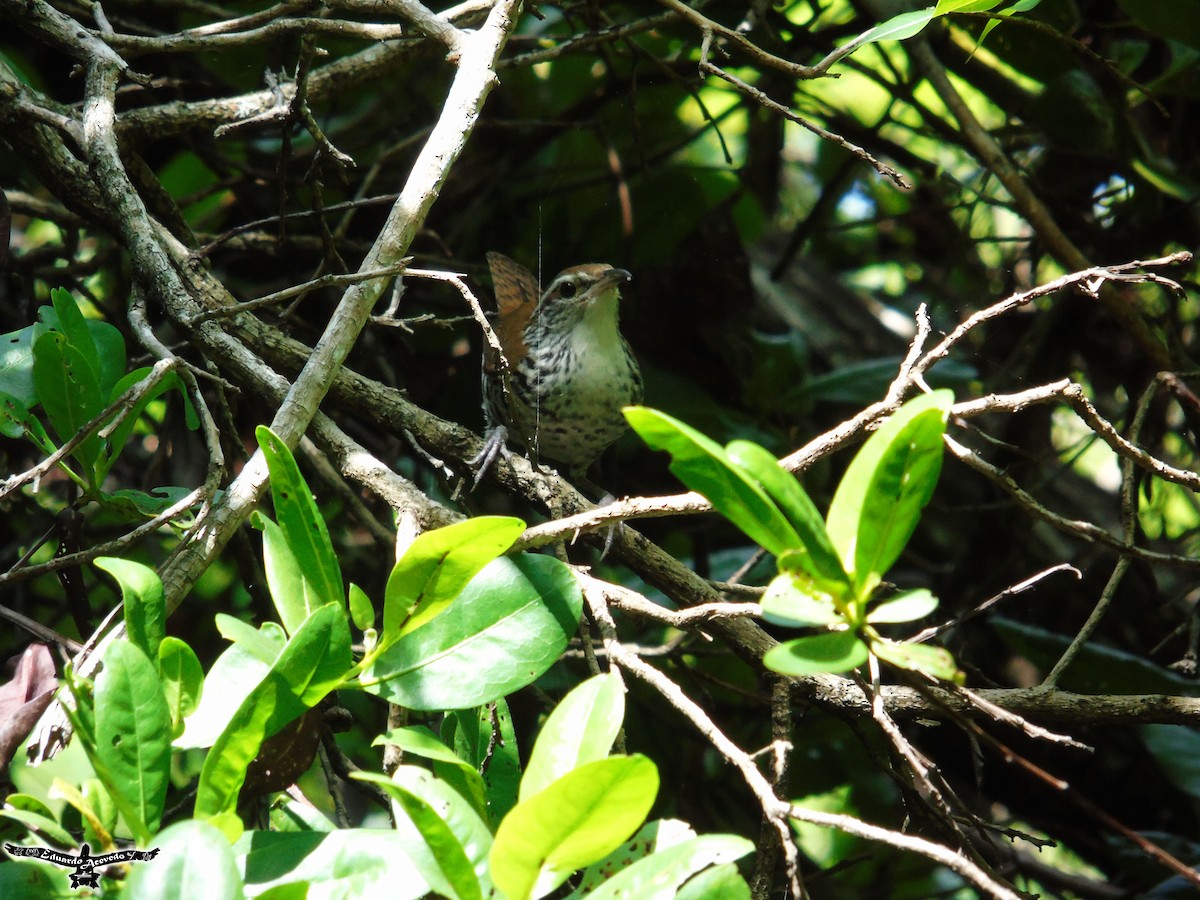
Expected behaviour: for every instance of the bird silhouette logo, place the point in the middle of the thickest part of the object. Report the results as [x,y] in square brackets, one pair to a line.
[84,866]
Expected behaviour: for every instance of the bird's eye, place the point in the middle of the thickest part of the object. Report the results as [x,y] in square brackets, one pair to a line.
[567,289]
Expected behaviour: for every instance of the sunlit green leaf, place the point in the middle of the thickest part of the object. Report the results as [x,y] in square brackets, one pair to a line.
[301,521]
[935,661]
[836,651]
[506,627]
[791,599]
[576,821]
[702,465]
[904,607]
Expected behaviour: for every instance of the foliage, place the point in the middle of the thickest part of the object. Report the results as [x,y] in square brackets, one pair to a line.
[828,577]
[322,663]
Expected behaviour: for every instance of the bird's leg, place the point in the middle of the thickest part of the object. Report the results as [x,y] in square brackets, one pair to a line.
[496,444]
[606,498]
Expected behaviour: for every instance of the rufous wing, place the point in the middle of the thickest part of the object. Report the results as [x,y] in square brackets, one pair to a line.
[517,295]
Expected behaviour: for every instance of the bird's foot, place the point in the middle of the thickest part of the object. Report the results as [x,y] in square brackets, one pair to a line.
[496,444]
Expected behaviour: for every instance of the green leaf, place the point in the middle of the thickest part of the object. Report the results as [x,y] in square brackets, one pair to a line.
[33,878]
[294,596]
[350,863]
[703,466]
[302,523]
[721,882]
[444,862]
[133,733]
[362,611]
[576,821]
[16,421]
[820,559]
[1019,7]
[103,811]
[506,628]
[897,28]
[935,661]
[119,437]
[879,500]
[485,738]
[73,326]
[311,665]
[837,651]
[145,607]
[194,861]
[652,837]
[182,680]
[265,642]
[945,7]
[230,680]
[438,565]
[904,607]
[792,600]
[581,729]
[458,773]
[658,877]
[16,365]
[1176,749]
[36,816]
[69,392]
[827,846]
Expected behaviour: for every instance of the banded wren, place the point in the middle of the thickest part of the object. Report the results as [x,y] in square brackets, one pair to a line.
[566,371]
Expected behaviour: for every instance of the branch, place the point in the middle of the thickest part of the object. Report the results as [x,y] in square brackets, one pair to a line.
[776,811]
[472,84]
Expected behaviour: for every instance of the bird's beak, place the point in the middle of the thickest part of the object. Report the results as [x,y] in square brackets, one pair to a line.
[611,278]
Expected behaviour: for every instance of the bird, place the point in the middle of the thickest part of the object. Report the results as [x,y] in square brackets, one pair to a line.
[563,371]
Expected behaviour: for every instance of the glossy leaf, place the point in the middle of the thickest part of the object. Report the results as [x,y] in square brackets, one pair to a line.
[581,729]
[904,607]
[898,28]
[133,732]
[721,882]
[833,652]
[702,465]
[16,365]
[658,876]
[265,642]
[33,878]
[195,862]
[230,680]
[142,596]
[879,499]
[302,523]
[362,611]
[792,600]
[506,628]
[182,679]
[101,344]
[485,738]
[935,661]
[438,565]
[314,662]
[439,854]
[70,322]
[345,863]
[576,821]
[294,596]
[16,421]
[69,391]
[820,560]
[458,773]
[469,830]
